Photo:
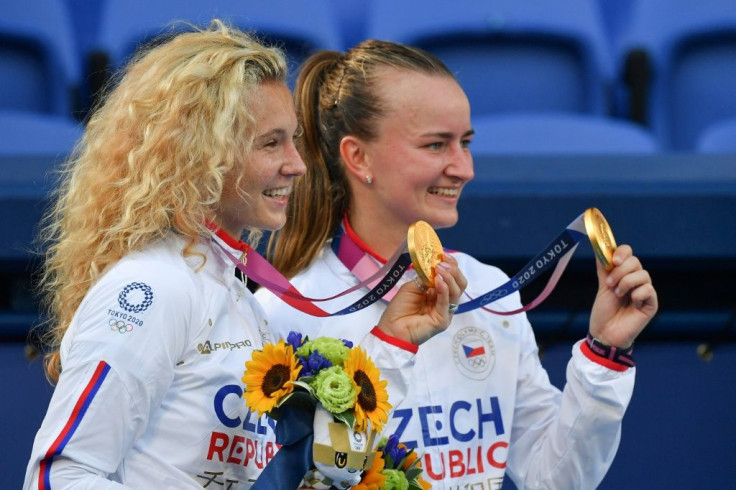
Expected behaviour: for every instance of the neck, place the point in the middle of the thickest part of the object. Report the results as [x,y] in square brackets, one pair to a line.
[380,238]
[228,237]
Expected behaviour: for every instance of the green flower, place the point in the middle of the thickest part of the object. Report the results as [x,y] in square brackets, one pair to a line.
[331,348]
[395,480]
[334,389]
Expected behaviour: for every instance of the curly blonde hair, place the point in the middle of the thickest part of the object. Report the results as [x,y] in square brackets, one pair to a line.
[153,159]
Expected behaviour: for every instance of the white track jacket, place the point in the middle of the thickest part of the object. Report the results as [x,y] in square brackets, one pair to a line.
[479,403]
[150,394]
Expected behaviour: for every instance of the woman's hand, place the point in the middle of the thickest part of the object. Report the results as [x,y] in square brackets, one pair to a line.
[626,300]
[416,314]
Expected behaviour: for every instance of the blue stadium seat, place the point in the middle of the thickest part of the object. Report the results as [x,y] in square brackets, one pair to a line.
[39,63]
[677,60]
[510,55]
[520,134]
[350,16]
[719,137]
[615,15]
[300,27]
[31,146]
[33,134]
[85,19]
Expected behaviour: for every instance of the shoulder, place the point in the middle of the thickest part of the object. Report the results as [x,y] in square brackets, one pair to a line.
[155,274]
[159,263]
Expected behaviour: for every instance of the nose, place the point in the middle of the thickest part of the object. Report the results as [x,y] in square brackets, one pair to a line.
[294,165]
[460,165]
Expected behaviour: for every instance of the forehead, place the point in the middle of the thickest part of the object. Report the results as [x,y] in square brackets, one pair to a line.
[416,101]
[272,107]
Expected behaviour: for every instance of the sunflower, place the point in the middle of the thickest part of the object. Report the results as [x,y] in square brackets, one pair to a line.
[268,376]
[373,479]
[372,404]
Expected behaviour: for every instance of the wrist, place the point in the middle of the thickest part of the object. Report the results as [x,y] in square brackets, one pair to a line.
[395,341]
[606,355]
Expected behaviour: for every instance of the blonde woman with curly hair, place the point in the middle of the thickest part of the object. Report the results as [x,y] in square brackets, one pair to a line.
[150,328]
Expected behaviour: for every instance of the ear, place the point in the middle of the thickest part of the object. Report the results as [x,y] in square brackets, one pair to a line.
[354,153]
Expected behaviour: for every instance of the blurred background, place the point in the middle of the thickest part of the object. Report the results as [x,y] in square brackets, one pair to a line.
[625,105]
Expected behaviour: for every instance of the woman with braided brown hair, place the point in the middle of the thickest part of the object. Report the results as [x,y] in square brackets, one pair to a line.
[386,141]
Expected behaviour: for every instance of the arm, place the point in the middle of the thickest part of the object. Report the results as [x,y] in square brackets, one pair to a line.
[112,379]
[412,317]
[569,440]
[566,439]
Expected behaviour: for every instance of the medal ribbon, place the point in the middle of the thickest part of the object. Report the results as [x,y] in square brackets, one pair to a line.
[358,258]
[557,253]
[355,256]
[261,271]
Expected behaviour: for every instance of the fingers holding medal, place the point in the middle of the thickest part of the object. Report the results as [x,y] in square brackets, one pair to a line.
[424,308]
[430,261]
[618,321]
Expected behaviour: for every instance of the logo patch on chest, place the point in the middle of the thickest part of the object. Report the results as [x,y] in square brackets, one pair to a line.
[473,352]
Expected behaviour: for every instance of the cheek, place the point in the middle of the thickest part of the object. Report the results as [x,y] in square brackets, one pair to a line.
[229,192]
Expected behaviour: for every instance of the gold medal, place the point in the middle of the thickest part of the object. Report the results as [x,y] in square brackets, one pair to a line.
[425,251]
[601,236]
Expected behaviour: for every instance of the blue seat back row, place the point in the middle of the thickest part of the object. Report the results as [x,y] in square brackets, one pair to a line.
[665,64]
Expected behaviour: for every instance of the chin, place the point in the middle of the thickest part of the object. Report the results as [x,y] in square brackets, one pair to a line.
[443,221]
[273,225]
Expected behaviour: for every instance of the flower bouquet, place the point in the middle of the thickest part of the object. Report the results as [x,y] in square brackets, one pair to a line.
[330,404]
[396,467]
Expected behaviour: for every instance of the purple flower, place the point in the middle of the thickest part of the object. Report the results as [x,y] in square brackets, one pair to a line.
[347,343]
[313,364]
[394,451]
[294,339]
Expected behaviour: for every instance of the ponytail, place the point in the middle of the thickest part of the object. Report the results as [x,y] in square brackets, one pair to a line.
[322,195]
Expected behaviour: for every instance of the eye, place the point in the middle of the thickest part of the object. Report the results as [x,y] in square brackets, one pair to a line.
[435,146]
[271,143]
[466,142]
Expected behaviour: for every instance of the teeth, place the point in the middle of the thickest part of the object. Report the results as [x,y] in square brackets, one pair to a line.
[444,191]
[284,191]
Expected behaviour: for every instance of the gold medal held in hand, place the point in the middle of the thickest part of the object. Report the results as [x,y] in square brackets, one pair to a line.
[601,236]
[425,251]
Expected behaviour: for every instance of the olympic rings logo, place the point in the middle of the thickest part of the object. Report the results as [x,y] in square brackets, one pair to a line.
[120,326]
[477,362]
[145,302]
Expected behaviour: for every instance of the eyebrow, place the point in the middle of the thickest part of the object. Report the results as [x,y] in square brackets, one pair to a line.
[447,136]
[278,132]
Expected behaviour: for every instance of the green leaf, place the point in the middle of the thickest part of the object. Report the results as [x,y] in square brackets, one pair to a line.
[412,473]
[347,417]
[301,383]
[414,485]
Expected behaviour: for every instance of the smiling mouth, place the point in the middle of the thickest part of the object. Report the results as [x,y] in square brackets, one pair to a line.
[280,192]
[444,191]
